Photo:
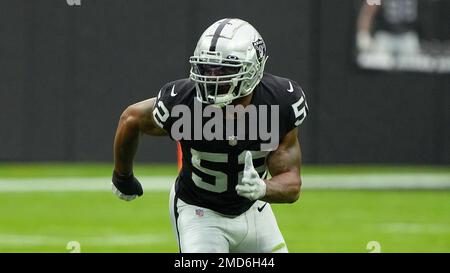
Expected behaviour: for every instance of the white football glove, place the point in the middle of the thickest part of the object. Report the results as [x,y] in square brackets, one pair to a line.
[251,186]
[121,195]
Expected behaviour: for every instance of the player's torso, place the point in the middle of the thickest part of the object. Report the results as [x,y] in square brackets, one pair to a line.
[214,145]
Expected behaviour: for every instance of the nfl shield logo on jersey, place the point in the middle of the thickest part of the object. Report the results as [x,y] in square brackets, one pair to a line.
[232,140]
[199,212]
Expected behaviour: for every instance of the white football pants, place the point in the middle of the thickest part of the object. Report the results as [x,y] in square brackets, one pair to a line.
[203,230]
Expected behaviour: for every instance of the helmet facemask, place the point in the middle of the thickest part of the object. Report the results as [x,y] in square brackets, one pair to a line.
[219,81]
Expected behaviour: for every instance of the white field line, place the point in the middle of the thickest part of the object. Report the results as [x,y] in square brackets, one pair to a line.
[66,184]
[164,183]
[116,239]
[415,228]
[378,181]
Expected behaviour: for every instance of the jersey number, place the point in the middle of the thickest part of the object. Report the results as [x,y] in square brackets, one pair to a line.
[160,113]
[220,178]
[300,108]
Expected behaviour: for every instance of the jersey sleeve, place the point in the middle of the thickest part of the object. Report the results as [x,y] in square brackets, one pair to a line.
[165,101]
[295,106]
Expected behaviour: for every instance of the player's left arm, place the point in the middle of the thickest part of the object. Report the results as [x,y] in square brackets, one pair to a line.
[284,166]
[284,162]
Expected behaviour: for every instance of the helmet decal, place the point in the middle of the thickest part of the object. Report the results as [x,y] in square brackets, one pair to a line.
[260,48]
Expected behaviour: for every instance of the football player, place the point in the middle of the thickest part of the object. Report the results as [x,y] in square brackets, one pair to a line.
[221,199]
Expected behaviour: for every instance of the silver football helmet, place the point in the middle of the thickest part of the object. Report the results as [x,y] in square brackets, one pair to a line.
[228,61]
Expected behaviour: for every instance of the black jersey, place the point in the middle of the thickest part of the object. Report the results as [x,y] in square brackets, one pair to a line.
[398,16]
[212,167]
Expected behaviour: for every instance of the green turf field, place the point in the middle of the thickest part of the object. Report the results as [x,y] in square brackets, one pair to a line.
[322,221]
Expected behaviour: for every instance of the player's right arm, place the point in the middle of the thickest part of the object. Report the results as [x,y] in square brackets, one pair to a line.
[136,120]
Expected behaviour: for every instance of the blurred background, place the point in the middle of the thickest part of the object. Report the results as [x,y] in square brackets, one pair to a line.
[376,144]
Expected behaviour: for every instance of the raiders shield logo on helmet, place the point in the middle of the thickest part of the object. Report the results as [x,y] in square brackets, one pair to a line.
[260,48]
